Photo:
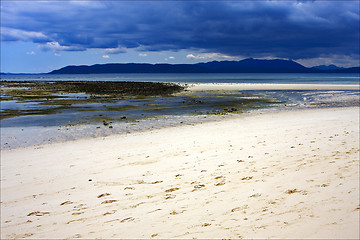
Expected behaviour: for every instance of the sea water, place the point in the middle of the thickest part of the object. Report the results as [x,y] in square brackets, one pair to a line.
[285,78]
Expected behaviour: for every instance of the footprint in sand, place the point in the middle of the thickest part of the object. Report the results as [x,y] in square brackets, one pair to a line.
[247,178]
[198,186]
[66,203]
[109,213]
[156,182]
[108,201]
[220,183]
[26,235]
[77,213]
[103,195]
[172,189]
[129,219]
[136,205]
[37,213]
[256,195]
[169,196]
[81,206]
[173,213]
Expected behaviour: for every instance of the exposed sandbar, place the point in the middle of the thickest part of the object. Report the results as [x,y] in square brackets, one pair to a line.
[267,86]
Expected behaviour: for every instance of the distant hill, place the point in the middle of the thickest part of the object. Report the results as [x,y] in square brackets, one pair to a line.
[327,67]
[248,65]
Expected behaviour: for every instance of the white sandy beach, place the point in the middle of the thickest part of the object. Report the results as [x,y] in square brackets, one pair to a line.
[267,86]
[273,175]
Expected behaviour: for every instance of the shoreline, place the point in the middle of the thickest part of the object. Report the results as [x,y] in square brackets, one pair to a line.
[289,174]
[19,136]
[266,86]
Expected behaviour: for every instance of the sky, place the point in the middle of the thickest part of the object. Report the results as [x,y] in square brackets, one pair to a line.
[40,36]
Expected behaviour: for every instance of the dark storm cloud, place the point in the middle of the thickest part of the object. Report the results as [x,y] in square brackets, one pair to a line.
[287,29]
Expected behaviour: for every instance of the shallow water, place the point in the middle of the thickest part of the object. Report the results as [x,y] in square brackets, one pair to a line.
[69,116]
[310,78]
[80,109]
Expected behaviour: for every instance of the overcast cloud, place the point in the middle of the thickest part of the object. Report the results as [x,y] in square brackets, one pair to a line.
[279,29]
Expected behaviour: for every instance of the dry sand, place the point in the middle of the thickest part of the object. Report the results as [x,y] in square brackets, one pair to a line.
[267,86]
[273,175]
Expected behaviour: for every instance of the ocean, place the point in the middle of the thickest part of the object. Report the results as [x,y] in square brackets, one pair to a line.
[298,78]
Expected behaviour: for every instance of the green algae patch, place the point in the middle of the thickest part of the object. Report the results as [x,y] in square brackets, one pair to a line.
[121,108]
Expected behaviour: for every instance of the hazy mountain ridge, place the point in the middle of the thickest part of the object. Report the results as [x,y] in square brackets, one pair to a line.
[248,65]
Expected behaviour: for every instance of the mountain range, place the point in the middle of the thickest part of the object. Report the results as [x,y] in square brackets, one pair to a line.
[248,65]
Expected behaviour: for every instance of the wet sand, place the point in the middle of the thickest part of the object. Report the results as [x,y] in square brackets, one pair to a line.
[291,174]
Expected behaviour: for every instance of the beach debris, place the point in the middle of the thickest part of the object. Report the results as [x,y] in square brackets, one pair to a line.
[239,161]
[90,180]
[206,224]
[123,118]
